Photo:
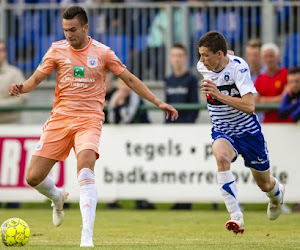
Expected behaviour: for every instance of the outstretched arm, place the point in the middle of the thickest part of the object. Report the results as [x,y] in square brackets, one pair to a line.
[19,88]
[141,89]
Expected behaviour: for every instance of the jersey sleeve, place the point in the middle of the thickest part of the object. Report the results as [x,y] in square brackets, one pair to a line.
[48,62]
[243,80]
[113,63]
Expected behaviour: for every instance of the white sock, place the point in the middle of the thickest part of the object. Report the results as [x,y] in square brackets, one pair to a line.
[47,188]
[228,190]
[88,197]
[275,194]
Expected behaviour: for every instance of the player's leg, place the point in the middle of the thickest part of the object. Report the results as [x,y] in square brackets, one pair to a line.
[55,144]
[224,154]
[37,177]
[273,189]
[88,194]
[86,148]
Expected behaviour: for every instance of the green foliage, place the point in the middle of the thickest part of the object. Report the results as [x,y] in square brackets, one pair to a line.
[160,229]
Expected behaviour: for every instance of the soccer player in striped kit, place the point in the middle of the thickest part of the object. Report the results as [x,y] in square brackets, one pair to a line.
[77,115]
[229,91]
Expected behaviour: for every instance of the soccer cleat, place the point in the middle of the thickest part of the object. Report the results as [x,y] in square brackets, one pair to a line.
[58,209]
[87,237]
[236,224]
[274,210]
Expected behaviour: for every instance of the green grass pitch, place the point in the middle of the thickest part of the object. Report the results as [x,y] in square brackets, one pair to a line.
[159,229]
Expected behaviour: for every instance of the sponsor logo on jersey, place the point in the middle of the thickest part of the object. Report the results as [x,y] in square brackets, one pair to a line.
[226,76]
[79,71]
[92,62]
[177,90]
[243,70]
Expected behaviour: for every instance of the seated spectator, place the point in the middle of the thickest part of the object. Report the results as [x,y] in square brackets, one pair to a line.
[290,105]
[9,74]
[110,90]
[271,84]
[124,106]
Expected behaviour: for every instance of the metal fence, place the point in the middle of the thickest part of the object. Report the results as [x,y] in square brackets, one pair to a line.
[141,34]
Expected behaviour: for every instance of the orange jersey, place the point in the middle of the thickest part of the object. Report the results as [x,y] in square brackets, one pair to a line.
[80,88]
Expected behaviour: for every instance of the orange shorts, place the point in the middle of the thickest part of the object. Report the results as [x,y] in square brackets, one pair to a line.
[61,133]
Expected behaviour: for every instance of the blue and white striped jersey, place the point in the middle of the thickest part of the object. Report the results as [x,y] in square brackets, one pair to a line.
[233,80]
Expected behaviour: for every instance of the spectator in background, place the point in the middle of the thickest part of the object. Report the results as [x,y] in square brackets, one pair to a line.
[181,87]
[253,57]
[9,74]
[110,90]
[290,105]
[158,37]
[123,108]
[271,84]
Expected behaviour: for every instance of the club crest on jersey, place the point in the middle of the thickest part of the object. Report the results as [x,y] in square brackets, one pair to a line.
[226,76]
[92,62]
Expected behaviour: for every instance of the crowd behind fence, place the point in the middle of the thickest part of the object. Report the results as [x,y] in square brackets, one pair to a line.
[142,34]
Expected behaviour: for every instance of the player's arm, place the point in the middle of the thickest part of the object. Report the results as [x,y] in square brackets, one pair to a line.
[16,89]
[141,89]
[244,104]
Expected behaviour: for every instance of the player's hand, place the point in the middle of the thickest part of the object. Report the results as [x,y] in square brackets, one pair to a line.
[170,110]
[15,89]
[209,88]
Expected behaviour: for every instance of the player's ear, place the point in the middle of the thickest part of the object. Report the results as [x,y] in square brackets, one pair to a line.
[85,27]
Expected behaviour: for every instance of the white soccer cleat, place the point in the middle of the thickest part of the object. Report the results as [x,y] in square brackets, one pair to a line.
[274,210]
[58,209]
[87,237]
[236,224]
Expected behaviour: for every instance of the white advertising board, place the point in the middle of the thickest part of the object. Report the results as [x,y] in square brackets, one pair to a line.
[160,163]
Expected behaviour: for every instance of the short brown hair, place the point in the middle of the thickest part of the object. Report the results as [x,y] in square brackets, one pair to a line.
[214,41]
[254,43]
[179,46]
[76,12]
[294,70]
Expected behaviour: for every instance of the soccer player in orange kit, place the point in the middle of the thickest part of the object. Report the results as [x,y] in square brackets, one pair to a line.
[77,114]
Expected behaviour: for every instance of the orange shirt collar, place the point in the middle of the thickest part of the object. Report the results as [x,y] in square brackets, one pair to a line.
[83,49]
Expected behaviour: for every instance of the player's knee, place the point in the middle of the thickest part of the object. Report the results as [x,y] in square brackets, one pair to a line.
[222,159]
[85,164]
[32,180]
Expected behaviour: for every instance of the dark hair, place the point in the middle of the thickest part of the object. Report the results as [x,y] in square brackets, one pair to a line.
[214,41]
[294,70]
[254,43]
[76,12]
[179,46]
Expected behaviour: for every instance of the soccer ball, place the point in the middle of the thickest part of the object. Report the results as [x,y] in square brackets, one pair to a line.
[15,232]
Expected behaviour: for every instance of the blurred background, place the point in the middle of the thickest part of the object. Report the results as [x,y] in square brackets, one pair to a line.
[142,33]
